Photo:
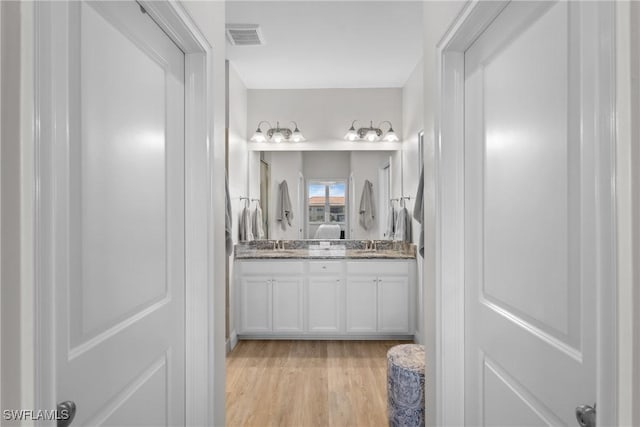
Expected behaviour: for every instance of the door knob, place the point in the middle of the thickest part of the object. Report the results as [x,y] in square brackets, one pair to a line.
[586,415]
[66,413]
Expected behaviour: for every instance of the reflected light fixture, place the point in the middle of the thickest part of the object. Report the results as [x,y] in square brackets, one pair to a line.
[277,134]
[371,133]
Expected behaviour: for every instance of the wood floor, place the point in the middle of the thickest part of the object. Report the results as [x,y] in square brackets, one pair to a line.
[307,383]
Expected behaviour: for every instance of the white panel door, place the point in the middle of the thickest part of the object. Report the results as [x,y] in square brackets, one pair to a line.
[393,304]
[324,304]
[120,329]
[530,201]
[362,304]
[255,310]
[287,304]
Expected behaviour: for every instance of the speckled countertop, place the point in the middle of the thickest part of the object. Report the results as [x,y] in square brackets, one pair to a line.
[311,249]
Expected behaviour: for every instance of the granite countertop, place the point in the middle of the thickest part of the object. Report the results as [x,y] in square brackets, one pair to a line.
[311,249]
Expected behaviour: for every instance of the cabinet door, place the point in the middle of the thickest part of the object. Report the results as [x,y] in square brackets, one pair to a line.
[393,304]
[362,304]
[255,306]
[323,305]
[287,304]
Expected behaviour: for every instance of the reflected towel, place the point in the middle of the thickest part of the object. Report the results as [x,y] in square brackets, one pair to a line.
[244,229]
[403,226]
[284,213]
[367,206]
[256,222]
[391,222]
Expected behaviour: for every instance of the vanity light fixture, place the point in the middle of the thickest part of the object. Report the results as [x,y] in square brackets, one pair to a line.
[277,134]
[371,133]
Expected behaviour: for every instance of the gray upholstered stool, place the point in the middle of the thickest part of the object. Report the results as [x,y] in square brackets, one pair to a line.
[405,385]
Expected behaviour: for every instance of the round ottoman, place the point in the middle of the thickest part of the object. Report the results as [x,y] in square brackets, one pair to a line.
[405,385]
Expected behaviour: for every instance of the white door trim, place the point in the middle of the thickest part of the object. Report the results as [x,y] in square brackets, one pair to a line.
[449,175]
[202,361]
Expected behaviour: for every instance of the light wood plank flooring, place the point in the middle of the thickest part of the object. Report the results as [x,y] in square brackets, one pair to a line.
[308,383]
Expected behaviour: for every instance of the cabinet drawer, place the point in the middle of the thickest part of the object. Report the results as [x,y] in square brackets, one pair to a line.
[378,268]
[333,267]
[272,267]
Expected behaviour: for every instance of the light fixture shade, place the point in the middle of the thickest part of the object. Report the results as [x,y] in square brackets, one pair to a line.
[258,136]
[277,137]
[297,136]
[371,135]
[390,136]
[351,135]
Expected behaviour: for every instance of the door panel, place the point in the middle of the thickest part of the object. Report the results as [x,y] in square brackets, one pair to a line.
[362,304]
[256,304]
[120,322]
[393,304]
[323,306]
[287,304]
[529,234]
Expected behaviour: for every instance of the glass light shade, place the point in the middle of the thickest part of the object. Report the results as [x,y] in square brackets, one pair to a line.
[371,136]
[391,136]
[297,136]
[277,137]
[258,136]
[352,135]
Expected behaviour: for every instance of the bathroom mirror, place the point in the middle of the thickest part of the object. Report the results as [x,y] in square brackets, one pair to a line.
[325,190]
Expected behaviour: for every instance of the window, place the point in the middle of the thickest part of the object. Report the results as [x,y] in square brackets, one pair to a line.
[327,204]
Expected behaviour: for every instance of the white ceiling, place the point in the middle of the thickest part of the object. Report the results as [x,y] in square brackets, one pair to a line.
[328,44]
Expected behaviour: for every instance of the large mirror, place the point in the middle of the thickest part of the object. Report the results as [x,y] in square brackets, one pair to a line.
[330,194]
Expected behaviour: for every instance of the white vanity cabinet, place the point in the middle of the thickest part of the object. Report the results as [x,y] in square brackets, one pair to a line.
[271,297]
[326,299]
[380,303]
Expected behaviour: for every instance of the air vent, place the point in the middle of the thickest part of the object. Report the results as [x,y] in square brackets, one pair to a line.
[244,34]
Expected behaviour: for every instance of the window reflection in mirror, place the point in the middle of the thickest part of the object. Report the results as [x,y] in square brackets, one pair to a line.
[327,208]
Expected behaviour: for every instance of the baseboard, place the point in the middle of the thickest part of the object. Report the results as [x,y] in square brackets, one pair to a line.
[329,337]
[232,342]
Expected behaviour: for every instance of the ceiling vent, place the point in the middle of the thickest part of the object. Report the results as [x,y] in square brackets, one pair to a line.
[244,35]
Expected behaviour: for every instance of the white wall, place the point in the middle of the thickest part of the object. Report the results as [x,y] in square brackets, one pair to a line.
[324,115]
[438,16]
[365,166]
[285,166]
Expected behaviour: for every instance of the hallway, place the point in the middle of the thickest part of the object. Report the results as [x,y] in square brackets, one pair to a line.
[304,383]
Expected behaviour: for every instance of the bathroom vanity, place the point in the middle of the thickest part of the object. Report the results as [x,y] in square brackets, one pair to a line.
[302,290]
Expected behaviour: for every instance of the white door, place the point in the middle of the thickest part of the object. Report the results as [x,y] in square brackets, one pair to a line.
[531,197]
[393,304]
[119,318]
[255,297]
[323,304]
[287,304]
[362,306]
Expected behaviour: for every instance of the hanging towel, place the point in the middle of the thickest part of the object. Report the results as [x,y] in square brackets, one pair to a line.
[391,221]
[284,212]
[245,225]
[418,211]
[403,226]
[367,206]
[256,222]
[228,218]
